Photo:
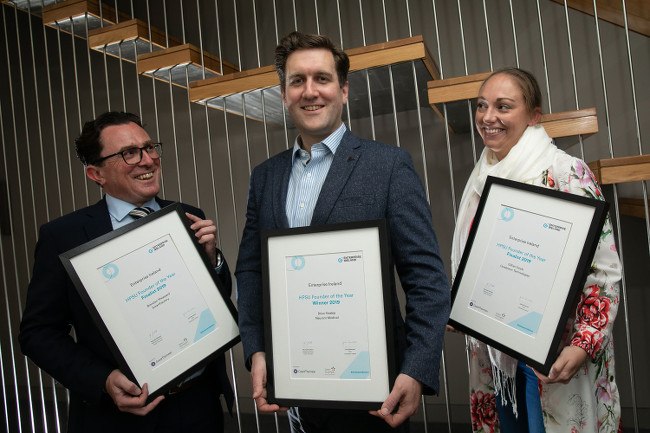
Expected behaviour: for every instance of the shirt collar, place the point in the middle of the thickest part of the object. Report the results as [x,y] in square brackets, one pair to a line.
[331,142]
[119,209]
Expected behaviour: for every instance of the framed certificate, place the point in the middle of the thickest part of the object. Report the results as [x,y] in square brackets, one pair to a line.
[155,297]
[328,315]
[527,257]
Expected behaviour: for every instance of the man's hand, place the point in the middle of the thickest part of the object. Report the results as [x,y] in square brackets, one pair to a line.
[206,233]
[405,396]
[566,366]
[127,396]
[258,378]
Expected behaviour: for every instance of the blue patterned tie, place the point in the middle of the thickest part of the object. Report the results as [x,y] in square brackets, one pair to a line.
[140,212]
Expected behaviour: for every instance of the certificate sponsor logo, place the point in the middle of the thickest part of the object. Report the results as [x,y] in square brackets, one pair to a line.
[554,227]
[297,263]
[351,258]
[507,214]
[110,271]
[156,247]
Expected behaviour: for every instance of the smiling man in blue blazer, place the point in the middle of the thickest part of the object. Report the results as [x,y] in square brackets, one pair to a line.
[118,155]
[331,176]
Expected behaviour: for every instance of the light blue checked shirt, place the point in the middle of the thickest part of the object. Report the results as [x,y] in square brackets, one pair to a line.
[308,173]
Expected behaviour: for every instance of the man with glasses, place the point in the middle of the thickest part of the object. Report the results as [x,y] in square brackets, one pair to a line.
[119,156]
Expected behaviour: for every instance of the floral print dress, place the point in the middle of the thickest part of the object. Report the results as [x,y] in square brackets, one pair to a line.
[589,403]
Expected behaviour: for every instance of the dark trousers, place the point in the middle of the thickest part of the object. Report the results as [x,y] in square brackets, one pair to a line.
[310,420]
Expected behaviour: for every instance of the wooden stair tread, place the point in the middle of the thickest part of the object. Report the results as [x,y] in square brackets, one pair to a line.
[634,207]
[110,38]
[619,170]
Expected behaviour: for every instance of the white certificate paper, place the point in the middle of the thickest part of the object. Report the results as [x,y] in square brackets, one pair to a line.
[520,263]
[328,322]
[161,303]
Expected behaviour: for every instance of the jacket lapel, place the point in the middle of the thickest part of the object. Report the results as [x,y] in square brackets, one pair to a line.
[345,160]
[280,188]
[98,221]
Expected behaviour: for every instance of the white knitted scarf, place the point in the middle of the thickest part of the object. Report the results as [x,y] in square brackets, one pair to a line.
[526,161]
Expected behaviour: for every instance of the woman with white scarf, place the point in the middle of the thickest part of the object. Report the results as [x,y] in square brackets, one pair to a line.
[580,393]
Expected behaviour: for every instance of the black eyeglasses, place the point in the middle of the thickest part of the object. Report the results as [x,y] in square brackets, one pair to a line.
[133,155]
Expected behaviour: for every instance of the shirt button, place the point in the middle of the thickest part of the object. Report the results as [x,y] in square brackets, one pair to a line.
[308,174]
[302,205]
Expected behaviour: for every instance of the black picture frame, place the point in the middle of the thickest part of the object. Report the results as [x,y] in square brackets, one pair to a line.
[338,251]
[503,281]
[162,248]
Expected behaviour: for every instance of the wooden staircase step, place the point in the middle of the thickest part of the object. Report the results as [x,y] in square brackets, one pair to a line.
[183,63]
[620,170]
[570,123]
[113,39]
[634,207]
[79,15]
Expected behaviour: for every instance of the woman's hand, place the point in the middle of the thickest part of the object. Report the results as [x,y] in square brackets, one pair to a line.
[566,366]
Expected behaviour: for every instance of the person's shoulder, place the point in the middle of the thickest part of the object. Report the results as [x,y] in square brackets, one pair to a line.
[373,146]
[73,219]
[564,164]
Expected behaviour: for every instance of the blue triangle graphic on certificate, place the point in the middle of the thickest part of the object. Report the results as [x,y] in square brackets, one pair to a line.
[528,324]
[206,324]
[359,368]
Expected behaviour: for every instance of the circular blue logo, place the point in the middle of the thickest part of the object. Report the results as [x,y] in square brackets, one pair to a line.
[340,259]
[110,271]
[507,214]
[545,225]
[297,262]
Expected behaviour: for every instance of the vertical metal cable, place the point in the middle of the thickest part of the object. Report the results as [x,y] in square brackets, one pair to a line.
[182,21]
[76,85]
[54,141]
[175,140]
[390,79]
[172,110]
[618,226]
[425,417]
[453,198]
[514,32]
[367,75]
[12,367]
[317,20]
[257,36]
[338,19]
[155,97]
[40,140]
[90,70]
[470,114]
[636,117]
[234,4]
[541,38]
[573,74]
[295,16]
[11,225]
[275,22]
[65,117]
[487,35]
[101,23]
[120,60]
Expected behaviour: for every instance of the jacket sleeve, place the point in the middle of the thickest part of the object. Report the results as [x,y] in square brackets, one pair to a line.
[422,275]
[47,321]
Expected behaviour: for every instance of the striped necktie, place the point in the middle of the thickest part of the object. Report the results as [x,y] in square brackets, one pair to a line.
[140,212]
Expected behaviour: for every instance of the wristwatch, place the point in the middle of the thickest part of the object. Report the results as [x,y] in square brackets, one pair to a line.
[219,259]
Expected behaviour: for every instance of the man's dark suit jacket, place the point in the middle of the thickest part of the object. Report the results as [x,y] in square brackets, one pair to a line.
[367,181]
[53,306]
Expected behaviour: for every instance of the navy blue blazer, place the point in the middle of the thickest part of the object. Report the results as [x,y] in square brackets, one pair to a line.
[367,181]
[53,307]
